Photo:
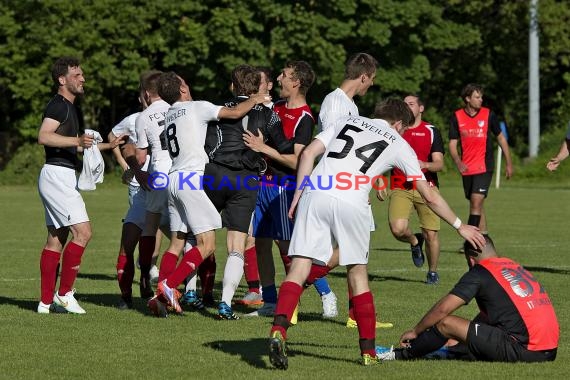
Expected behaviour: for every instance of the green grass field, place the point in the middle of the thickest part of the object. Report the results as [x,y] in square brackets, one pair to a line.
[529,223]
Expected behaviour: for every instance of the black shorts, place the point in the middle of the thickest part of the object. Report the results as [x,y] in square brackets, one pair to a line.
[491,343]
[477,184]
[233,193]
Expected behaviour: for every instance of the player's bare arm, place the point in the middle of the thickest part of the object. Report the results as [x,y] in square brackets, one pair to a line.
[117,153]
[440,310]
[455,156]
[306,163]
[555,161]
[47,136]
[438,205]
[114,142]
[132,156]
[243,108]
[257,144]
[507,153]
[436,163]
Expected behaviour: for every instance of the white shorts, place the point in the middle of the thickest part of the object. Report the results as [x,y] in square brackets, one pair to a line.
[323,221]
[190,208]
[137,207]
[372,223]
[62,202]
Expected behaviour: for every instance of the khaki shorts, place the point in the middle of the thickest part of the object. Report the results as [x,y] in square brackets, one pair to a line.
[402,202]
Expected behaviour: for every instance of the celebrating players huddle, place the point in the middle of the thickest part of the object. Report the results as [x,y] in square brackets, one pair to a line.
[255,153]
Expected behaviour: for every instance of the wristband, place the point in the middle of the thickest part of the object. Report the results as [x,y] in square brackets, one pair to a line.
[457,223]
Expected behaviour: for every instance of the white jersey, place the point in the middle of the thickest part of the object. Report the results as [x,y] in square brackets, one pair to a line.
[335,105]
[127,126]
[150,131]
[358,151]
[186,126]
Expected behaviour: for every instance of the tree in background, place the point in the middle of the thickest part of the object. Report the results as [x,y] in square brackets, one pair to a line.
[432,47]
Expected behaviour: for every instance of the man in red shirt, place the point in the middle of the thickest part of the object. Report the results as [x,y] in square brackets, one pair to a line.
[471,126]
[516,322]
[427,143]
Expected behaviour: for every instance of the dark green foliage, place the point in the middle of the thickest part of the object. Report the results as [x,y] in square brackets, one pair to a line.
[430,47]
[24,167]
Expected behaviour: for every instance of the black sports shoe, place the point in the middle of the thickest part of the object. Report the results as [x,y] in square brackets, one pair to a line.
[125,303]
[278,351]
[190,298]
[208,300]
[417,251]
[145,288]
[432,278]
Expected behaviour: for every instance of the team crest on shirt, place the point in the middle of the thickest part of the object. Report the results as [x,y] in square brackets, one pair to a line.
[481,123]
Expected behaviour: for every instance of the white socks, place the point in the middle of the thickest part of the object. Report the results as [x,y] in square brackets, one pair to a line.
[232,276]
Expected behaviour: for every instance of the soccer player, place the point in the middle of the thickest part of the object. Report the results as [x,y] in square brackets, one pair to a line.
[359,74]
[274,197]
[355,152]
[251,271]
[427,143]
[57,184]
[190,209]
[472,127]
[233,173]
[134,220]
[150,140]
[133,223]
[516,322]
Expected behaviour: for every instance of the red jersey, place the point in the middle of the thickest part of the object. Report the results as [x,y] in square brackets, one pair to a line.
[424,139]
[513,300]
[473,133]
[293,118]
[298,124]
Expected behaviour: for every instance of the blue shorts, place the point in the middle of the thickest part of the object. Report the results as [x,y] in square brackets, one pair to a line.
[270,216]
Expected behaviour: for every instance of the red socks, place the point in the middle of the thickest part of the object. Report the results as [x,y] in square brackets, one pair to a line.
[365,316]
[286,260]
[289,295]
[191,260]
[317,271]
[207,274]
[146,249]
[70,267]
[251,270]
[49,261]
[125,274]
[167,265]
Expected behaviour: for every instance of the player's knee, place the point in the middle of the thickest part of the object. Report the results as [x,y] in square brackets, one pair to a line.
[209,248]
[431,236]
[444,325]
[398,231]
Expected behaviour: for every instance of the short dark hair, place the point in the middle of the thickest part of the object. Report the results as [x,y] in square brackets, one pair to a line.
[303,72]
[394,109]
[267,71]
[358,64]
[149,81]
[246,80]
[61,67]
[169,87]
[471,251]
[418,98]
[470,89]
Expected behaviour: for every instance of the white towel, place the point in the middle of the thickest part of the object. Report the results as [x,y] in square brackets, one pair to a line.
[93,164]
